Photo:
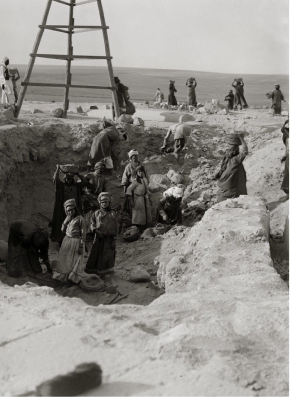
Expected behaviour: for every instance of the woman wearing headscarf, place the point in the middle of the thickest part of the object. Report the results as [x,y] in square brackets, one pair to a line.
[96,184]
[138,190]
[169,210]
[191,96]
[70,265]
[105,228]
[6,83]
[27,243]
[171,97]
[133,164]
[232,177]
[105,147]
[285,132]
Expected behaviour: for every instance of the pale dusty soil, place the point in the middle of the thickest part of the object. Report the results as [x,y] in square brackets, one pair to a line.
[223,302]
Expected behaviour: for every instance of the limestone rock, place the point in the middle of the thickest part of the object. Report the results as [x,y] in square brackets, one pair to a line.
[138,274]
[8,114]
[3,251]
[107,107]
[158,182]
[80,109]
[94,107]
[148,233]
[138,121]
[34,111]
[57,113]
[174,177]
[284,113]
[201,110]
[222,112]
[186,117]
[125,118]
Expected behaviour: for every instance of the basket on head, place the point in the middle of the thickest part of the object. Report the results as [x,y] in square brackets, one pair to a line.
[69,168]
[233,139]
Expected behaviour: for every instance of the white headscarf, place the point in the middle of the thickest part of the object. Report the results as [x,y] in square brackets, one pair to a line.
[174,191]
[133,152]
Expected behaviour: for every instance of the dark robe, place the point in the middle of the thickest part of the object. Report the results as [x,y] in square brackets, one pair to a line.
[285,182]
[102,256]
[171,206]
[171,97]
[277,98]
[238,95]
[232,182]
[122,92]
[23,253]
[230,98]
[191,96]
[63,192]
[105,144]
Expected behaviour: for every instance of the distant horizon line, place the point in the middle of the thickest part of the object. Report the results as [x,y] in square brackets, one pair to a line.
[181,70]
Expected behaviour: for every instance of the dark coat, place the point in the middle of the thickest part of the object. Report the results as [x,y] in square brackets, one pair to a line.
[171,97]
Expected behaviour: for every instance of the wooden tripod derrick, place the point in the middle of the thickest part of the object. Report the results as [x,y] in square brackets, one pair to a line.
[70,30]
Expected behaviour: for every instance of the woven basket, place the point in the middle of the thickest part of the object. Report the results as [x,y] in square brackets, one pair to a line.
[92,284]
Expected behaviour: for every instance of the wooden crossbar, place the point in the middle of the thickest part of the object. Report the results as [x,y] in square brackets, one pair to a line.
[85,30]
[57,30]
[72,27]
[26,84]
[69,56]
[84,2]
[62,2]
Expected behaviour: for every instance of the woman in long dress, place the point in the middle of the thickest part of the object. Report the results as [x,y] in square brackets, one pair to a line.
[133,164]
[138,190]
[105,228]
[171,97]
[70,266]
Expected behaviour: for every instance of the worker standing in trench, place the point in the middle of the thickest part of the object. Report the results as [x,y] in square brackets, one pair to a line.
[232,175]
[178,131]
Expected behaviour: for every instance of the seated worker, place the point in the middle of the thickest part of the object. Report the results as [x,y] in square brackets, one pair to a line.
[232,175]
[169,210]
[159,97]
[132,166]
[65,190]
[27,243]
[230,98]
[178,131]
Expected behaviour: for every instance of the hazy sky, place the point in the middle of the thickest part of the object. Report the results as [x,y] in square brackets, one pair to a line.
[231,36]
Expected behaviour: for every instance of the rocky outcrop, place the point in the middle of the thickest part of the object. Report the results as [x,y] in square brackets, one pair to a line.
[221,328]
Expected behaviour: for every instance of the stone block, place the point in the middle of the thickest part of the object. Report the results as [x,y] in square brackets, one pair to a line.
[186,117]
[138,121]
[57,113]
[79,109]
[174,177]
[34,111]
[138,274]
[8,114]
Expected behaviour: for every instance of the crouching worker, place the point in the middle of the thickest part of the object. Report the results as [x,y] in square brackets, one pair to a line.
[178,131]
[27,243]
[232,175]
[138,190]
[70,265]
[169,210]
[105,228]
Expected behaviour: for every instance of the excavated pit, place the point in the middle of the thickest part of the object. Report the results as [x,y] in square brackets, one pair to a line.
[220,328]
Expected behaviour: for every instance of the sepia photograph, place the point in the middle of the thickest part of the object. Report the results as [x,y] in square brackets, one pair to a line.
[144,198]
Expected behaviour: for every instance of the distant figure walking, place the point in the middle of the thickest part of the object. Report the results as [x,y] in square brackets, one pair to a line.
[230,98]
[6,83]
[238,85]
[123,98]
[14,76]
[232,175]
[171,97]
[191,96]
[277,98]
[159,97]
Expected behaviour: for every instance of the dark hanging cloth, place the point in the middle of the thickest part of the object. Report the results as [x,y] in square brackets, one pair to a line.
[24,250]
[63,192]
[122,92]
[171,97]
[171,206]
[285,132]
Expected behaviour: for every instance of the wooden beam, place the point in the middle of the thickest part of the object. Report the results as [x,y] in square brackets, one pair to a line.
[62,2]
[57,30]
[84,2]
[32,59]
[74,26]
[96,87]
[64,57]
[108,54]
[85,30]
[68,62]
